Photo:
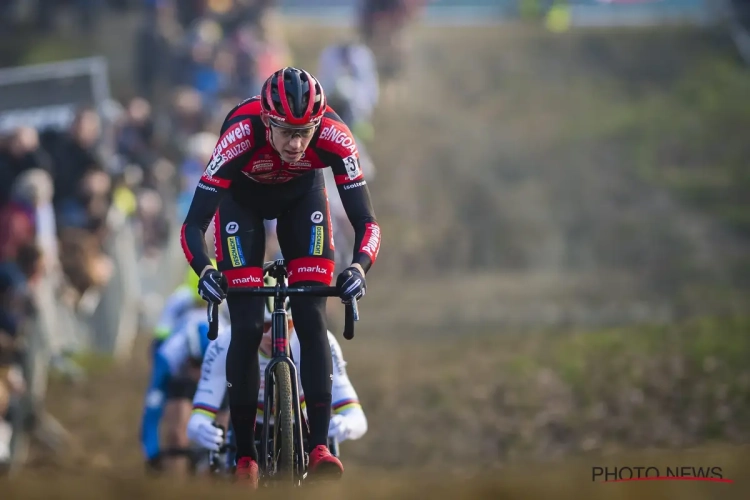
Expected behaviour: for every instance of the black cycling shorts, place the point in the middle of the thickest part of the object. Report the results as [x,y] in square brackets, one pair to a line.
[303,228]
[181,388]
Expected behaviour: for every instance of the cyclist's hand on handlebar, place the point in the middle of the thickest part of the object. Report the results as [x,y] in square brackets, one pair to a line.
[351,284]
[202,430]
[213,286]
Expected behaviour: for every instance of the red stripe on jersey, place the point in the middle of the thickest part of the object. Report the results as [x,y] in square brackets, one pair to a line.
[345,179]
[184,244]
[215,181]
[218,250]
[371,241]
[330,225]
[311,269]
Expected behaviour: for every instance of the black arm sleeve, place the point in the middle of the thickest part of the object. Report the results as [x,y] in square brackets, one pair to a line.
[355,197]
[231,151]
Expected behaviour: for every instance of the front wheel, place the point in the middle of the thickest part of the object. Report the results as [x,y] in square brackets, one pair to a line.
[283,429]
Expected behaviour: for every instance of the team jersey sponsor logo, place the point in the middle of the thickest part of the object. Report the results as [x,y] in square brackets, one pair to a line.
[232,227]
[337,136]
[212,354]
[372,241]
[262,166]
[316,217]
[207,188]
[316,240]
[235,133]
[235,251]
[237,150]
[309,269]
[247,280]
[227,150]
[354,185]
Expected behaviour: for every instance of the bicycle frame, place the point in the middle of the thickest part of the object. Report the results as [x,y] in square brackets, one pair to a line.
[281,351]
[281,354]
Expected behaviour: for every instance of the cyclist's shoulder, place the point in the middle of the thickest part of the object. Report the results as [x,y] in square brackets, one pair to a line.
[248,108]
[242,131]
[334,136]
[246,114]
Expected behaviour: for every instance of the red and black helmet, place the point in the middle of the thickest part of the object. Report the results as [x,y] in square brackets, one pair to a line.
[292,97]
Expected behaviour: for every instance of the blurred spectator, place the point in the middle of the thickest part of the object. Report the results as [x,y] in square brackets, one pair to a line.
[274,53]
[202,71]
[135,134]
[11,378]
[155,39]
[33,189]
[75,155]
[21,152]
[186,119]
[382,25]
[83,260]
[348,73]
[154,229]
[17,230]
[95,196]
[199,152]
[86,13]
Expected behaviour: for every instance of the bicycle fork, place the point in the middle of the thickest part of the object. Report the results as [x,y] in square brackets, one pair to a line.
[281,355]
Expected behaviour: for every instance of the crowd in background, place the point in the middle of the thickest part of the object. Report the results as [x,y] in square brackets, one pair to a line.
[60,190]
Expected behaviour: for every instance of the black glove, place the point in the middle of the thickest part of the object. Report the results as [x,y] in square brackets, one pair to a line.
[351,285]
[212,287]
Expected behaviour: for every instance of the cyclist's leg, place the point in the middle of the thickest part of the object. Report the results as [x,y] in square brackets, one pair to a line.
[305,239]
[177,411]
[240,244]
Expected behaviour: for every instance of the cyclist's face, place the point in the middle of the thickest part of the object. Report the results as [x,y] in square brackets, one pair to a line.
[291,143]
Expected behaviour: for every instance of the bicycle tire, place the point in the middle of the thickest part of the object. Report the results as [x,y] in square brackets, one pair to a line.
[283,423]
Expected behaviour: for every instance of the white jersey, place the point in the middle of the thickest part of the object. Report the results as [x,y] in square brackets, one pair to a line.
[187,340]
[212,385]
[177,305]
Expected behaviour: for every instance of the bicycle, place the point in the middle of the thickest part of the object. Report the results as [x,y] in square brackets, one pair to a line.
[286,460]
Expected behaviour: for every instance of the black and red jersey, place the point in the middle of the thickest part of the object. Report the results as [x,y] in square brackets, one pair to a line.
[246,167]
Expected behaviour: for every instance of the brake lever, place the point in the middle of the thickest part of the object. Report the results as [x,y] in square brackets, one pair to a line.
[213,320]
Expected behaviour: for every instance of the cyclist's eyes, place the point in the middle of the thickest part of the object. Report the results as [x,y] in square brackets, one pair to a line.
[305,134]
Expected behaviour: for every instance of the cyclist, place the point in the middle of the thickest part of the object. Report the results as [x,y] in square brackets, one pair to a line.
[269,161]
[184,299]
[347,423]
[174,378]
